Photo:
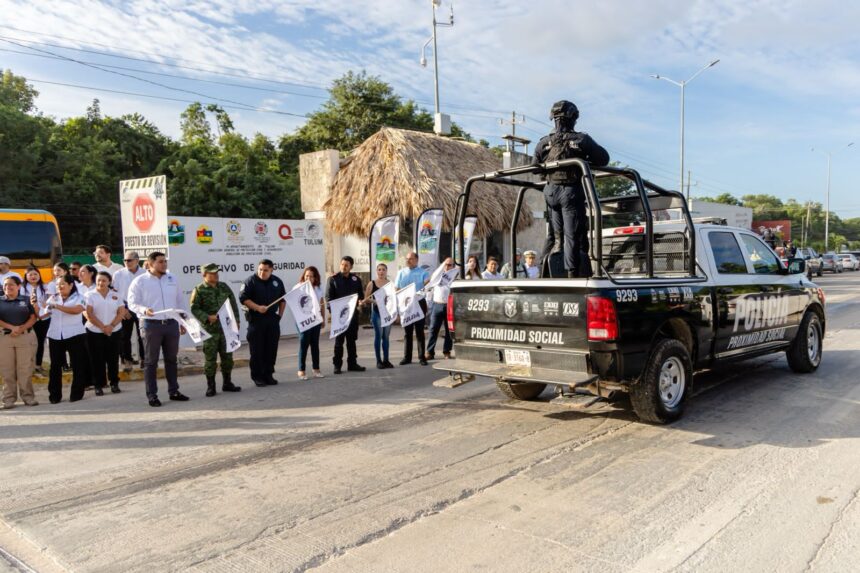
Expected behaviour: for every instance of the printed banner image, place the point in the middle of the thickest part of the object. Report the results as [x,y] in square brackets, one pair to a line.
[305,306]
[229,326]
[428,230]
[408,305]
[383,243]
[386,304]
[342,311]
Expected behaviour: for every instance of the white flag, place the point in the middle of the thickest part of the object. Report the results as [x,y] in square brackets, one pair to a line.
[407,304]
[442,277]
[386,304]
[305,306]
[342,310]
[229,326]
[191,325]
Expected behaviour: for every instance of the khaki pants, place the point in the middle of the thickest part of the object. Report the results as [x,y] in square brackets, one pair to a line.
[17,361]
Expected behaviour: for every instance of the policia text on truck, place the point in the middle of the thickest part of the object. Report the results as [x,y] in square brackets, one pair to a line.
[667,297]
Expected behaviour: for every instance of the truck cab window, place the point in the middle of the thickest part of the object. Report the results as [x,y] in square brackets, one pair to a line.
[727,254]
[763,260]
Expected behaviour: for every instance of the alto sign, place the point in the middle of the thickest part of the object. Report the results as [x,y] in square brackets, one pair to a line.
[143,208]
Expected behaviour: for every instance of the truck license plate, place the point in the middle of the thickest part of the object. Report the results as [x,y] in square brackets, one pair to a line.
[518,357]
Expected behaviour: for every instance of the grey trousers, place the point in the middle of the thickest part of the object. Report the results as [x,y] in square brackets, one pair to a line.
[160,337]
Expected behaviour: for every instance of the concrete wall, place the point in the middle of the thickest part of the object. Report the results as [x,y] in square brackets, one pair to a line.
[316,175]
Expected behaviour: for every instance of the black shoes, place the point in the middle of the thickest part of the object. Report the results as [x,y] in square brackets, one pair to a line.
[271,382]
[388,364]
[259,383]
[100,392]
[337,370]
[405,361]
[228,385]
[179,397]
[155,402]
[422,362]
[355,368]
[431,356]
[55,400]
[210,386]
[380,366]
[114,388]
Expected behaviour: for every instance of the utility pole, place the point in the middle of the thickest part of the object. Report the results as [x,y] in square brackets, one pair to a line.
[441,126]
[512,140]
[829,155]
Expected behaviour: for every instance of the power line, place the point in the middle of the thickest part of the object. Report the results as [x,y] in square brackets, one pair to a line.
[192,92]
[165,98]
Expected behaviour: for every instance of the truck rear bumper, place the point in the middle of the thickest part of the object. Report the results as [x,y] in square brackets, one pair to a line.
[515,373]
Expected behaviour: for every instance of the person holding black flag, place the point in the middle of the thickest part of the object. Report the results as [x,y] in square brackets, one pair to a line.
[258,295]
[345,283]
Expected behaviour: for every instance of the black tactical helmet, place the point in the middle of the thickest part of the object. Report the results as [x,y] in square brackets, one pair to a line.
[564,110]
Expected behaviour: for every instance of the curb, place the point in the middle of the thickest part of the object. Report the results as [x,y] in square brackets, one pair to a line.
[136,374]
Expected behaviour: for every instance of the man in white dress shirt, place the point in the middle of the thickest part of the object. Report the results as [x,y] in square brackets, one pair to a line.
[150,293]
[121,281]
[103,262]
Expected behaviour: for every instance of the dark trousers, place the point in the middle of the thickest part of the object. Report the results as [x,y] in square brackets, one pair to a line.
[310,339]
[128,327]
[77,350]
[263,336]
[41,330]
[104,355]
[349,337]
[160,337]
[418,329]
[569,220]
[439,320]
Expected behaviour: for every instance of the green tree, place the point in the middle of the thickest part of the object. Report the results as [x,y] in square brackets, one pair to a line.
[16,93]
[725,198]
[194,125]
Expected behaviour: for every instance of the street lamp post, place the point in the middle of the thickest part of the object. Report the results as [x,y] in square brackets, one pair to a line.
[683,85]
[435,4]
[829,155]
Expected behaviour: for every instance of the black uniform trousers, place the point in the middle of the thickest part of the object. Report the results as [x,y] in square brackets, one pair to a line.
[349,337]
[129,325]
[570,221]
[77,348]
[264,332]
[418,329]
[104,354]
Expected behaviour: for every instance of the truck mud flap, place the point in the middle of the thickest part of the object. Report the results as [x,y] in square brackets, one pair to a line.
[514,373]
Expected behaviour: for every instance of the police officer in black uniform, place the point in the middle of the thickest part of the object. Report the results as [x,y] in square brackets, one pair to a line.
[264,324]
[565,197]
[340,285]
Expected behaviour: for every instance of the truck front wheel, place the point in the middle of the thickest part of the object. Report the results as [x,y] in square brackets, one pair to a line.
[521,391]
[804,354]
[661,393]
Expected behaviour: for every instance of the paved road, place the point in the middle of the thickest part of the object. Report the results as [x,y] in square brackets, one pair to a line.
[383,472]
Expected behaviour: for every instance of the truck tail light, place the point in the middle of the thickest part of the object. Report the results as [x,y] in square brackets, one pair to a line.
[450,313]
[821,294]
[601,318]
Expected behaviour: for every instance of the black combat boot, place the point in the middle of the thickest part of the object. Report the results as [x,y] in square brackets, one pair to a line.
[228,385]
[210,386]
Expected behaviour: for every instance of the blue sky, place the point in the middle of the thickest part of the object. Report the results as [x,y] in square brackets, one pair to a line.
[787,81]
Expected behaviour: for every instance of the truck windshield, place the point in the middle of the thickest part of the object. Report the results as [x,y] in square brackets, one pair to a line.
[29,242]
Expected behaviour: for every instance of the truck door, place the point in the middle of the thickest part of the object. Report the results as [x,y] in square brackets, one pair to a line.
[731,285]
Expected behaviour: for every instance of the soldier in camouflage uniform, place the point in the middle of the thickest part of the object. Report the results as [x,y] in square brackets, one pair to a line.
[206,299]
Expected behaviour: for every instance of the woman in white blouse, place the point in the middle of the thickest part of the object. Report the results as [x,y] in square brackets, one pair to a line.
[310,339]
[38,292]
[86,279]
[104,324]
[66,334]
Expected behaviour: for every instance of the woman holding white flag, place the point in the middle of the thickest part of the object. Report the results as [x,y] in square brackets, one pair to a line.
[380,333]
[310,339]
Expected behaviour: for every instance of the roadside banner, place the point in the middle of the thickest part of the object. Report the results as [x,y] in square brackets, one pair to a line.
[342,310]
[383,243]
[229,326]
[143,209]
[407,304]
[386,304]
[780,229]
[305,306]
[428,230]
[468,231]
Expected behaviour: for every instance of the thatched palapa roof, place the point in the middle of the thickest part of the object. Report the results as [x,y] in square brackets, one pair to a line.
[402,172]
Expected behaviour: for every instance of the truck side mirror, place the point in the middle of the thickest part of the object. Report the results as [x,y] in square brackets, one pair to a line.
[796,266]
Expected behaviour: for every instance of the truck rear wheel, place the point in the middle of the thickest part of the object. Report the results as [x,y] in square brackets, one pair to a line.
[661,393]
[522,390]
[804,354]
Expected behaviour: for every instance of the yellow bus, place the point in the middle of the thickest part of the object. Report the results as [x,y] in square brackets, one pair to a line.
[30,237]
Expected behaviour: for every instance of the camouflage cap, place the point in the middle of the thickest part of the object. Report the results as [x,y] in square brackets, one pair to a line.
[210,268]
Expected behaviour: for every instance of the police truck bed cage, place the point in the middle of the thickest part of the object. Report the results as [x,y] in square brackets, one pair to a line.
[646,199]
